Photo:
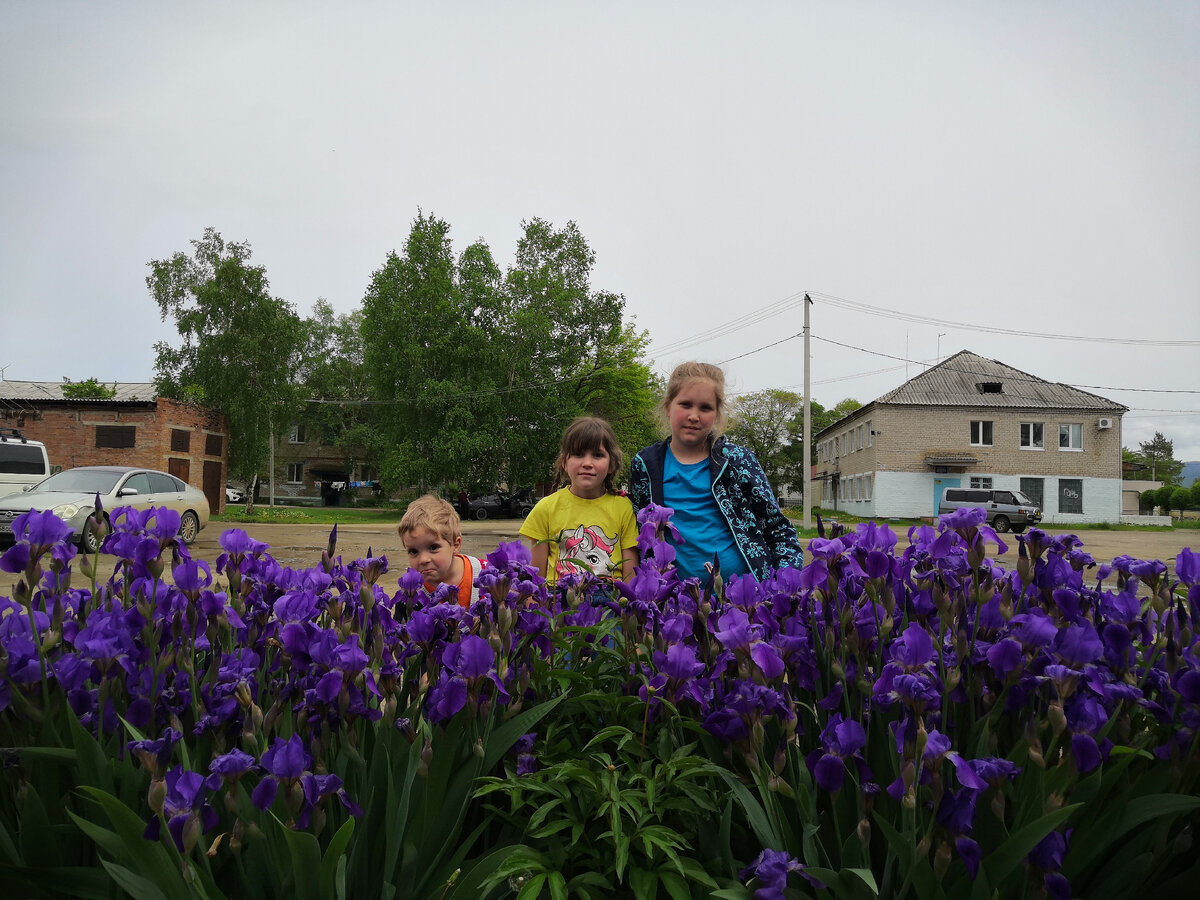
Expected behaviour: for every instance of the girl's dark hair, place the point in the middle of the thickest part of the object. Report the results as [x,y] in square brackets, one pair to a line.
[584,434]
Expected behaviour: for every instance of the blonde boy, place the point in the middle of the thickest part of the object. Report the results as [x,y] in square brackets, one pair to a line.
[432,534]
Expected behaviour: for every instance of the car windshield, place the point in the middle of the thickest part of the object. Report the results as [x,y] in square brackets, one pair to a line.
[81,481]
[1022,499]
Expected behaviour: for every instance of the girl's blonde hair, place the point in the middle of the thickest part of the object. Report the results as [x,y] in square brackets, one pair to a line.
[685,374]
[583,435]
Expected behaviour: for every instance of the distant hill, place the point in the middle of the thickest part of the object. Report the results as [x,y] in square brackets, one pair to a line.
[1191,471]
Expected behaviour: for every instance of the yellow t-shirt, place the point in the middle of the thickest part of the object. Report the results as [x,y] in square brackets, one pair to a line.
[584,535]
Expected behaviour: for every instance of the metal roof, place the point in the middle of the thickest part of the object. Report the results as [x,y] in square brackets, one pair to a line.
[42,391]
[966,379]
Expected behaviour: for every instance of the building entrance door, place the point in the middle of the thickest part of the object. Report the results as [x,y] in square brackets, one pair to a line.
[940,483]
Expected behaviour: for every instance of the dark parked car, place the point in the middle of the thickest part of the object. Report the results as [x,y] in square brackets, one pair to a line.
[500,505]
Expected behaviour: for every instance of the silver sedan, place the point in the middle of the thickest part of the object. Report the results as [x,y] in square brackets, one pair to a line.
[71,495]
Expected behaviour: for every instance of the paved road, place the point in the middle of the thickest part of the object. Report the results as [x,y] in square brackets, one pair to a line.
[301,545]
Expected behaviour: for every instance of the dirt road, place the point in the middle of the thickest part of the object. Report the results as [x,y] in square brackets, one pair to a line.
[301,545]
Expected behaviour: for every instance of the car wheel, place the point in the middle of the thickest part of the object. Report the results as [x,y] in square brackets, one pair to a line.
[524,511]
[1018,529]
[481,513]
[1001,524]
[89,541]
[189,527]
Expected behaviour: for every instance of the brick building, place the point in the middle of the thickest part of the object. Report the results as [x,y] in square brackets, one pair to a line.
[975,422]
[134,428]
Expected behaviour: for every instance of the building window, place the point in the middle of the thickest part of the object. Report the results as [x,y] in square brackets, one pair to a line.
[1070,437]
[869,433]
[981,433]
[867,485]
[981,481]
[295,473]
[860,437]
[181,440]
[296,434]
[1034,489]
[117,437]
[837,447]
[1070,495]
[1033,436]
[213,444]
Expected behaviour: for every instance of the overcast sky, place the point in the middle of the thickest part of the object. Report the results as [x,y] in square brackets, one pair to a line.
[1025,167]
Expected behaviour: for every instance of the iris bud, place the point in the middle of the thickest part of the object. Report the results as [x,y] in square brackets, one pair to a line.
[156,795]
[1058,719]
[941,860]
[864,831]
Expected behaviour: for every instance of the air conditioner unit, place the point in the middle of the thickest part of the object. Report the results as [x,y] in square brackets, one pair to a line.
[1103,423]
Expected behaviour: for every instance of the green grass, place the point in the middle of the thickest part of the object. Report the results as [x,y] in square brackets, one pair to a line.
[311,515]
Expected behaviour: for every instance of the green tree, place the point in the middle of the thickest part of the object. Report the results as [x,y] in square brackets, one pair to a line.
[428,336]
[1158,455]
[335,384]
[240,346]
[762,422]
[88,390]
[1180,498]
[568,352]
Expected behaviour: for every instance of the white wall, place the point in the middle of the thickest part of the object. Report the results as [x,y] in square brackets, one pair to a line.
[910,495]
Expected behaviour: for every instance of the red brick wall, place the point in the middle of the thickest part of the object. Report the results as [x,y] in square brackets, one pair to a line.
[69,433]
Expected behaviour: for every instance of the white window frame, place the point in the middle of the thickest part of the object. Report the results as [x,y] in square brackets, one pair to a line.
[869,433]
[295,468]
[1071,431]
[985,433]
[1026,440]
[982,482]
[868,484]
[296,433]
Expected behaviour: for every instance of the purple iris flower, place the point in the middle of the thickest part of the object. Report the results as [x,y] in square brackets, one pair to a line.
[446,699]
[41,529]
[154,755]
[527,762]
[681,662]
[188,813]
[473,657]
[842,740]
[1005,656]
[1187,566]
[1078,643]
[771,868]
[659,518]
[735,629]
[231,766]
[285,762]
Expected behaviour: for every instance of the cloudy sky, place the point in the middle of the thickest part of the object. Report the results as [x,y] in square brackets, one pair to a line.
[1018,179]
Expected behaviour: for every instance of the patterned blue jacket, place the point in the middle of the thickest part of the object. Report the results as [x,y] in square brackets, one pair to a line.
[766,538]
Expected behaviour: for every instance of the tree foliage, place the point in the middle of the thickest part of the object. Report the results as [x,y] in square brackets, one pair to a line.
[92,389]
[1153,461]
[240,346]
[762,421]
[477,372]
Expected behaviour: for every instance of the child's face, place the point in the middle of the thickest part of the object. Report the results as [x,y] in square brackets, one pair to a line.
[587,472]
[692,414]
[430,554]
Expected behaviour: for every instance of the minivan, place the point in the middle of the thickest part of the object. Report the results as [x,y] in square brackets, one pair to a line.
[1005,508]
[22,462]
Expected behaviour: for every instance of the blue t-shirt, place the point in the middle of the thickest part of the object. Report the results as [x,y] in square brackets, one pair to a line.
[688,490]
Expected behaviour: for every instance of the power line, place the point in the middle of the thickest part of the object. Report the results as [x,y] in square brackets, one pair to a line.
[843,303]
[1029,379]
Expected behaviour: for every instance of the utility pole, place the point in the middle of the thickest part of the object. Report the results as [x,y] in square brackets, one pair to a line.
[807,424]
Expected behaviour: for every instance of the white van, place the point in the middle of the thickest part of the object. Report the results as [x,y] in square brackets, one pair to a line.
[22,462]
[1005,509]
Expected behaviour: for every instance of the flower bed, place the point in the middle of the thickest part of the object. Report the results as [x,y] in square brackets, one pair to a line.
[888,721]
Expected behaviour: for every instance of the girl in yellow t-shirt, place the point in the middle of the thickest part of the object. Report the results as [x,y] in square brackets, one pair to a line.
[585,526]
